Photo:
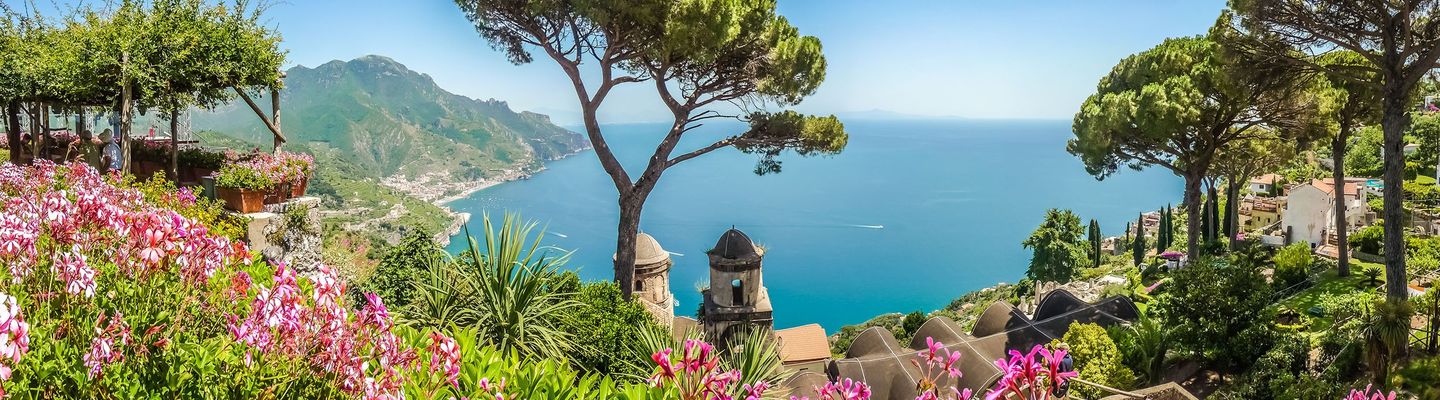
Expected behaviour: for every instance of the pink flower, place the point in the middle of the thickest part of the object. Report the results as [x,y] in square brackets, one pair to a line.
[102,348]
[1027,378]
[14,335]
[445,358]
[1368,395]
[72,269]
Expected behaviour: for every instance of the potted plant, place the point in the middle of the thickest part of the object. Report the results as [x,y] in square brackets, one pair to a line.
[298,167]
[196,163]
[242,188]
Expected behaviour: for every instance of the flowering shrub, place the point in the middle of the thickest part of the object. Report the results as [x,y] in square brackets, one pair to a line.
[1027,377]
[110,294]
[696,375]
[936,363]
[242,176]
[1368,395]
[278,168]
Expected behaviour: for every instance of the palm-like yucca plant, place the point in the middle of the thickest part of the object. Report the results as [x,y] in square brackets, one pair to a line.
[507,289]
[1386,335]
[756,354]
[438,300]
[1146,342]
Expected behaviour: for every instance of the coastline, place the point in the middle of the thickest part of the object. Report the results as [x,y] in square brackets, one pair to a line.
[459,219]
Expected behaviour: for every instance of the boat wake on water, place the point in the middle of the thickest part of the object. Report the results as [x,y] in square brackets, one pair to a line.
[867,226]
[558,234]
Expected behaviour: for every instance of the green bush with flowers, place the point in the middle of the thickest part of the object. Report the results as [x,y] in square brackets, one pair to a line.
[241,176]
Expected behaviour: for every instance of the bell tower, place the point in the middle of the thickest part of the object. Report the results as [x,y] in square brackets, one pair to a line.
[652,279]
[736,298]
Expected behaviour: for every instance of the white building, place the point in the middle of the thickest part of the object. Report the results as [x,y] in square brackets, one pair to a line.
[1310,210]
[1262,184]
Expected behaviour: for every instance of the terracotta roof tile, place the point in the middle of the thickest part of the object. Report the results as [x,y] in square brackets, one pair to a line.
[803,343]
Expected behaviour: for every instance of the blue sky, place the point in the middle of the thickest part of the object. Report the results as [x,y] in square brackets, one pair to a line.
[966,58]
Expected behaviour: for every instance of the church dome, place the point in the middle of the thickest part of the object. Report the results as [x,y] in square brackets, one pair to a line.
[734,245]
[648,251]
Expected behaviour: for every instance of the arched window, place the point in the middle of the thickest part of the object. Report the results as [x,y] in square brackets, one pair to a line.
[737,293]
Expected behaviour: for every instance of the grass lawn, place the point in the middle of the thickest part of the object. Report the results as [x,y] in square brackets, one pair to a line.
[1330,283]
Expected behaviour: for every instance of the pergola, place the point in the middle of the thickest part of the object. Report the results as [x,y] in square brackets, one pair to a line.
[165,56]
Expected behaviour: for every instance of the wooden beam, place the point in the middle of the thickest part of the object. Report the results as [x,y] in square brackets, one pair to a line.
[275,116]
[279,137]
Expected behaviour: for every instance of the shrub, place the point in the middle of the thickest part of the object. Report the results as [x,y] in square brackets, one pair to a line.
[1097,359]
[1292,264]
[177,312]
[607,329]
[205,212]
[909,325]
[200,158]
[396,276]
[1421,377]
[1368,239]
[1057,251]
[1213,306]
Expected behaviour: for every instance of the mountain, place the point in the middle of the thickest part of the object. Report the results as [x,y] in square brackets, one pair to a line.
[390,144]
[397,122]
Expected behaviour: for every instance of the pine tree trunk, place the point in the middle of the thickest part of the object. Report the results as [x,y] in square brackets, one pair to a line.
[1394,123]
[1342,244]
[630,207]
[1193,215]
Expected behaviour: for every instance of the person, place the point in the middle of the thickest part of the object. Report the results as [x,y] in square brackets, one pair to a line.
[1067,364]
[86,150]
[111,157]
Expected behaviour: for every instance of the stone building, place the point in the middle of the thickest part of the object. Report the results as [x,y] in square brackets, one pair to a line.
[652,279]
[736,299]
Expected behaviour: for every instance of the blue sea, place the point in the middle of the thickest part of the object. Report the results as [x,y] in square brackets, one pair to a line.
[911,215]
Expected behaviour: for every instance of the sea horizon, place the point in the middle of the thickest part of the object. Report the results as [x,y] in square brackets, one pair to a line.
[916,231]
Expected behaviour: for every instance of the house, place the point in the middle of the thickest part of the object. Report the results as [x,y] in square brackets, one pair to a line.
[1152,224]
[1259,212]
[1263,183]
[1114,245]
[1309,214]
[803,348]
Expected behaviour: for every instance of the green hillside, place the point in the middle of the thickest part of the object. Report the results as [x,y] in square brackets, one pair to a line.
[371,118]
[379,114]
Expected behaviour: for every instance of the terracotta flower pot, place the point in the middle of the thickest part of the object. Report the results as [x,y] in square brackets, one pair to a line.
[242,200]
[278,194]
[297,189]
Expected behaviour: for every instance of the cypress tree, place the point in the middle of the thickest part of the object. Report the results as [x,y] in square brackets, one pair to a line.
[1165,229]
[1095,240]
[1232,200]
[1137,247]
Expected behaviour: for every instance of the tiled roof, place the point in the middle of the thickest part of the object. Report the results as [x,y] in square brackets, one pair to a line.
[1327,185]
[876,358]
[1267,179]
[803,343]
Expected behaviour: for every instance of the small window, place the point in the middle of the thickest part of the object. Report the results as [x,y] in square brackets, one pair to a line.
[640,286]
[737,293]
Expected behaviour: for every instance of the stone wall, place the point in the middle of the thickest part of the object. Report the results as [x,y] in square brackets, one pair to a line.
[289,232]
